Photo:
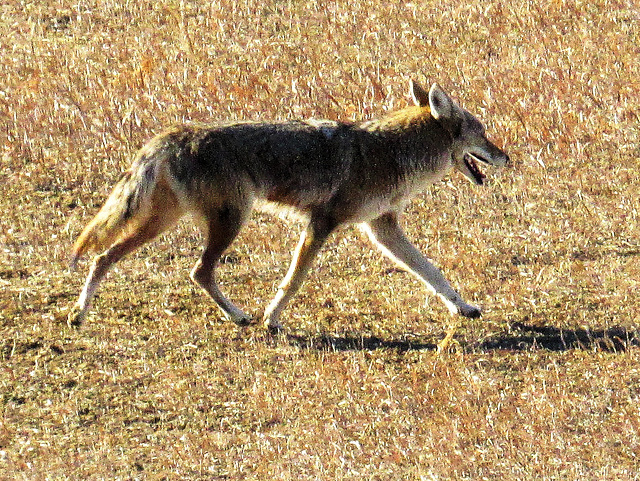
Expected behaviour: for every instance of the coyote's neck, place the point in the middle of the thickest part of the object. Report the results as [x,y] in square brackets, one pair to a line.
[412,138]
[403,120]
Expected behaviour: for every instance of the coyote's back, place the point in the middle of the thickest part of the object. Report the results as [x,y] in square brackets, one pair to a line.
[333,173]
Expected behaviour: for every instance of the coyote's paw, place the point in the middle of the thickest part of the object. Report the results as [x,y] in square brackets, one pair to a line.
[76,316]
[236,315]
[242,321]
[239,318]
[468,310]
[457,306]
[273,326]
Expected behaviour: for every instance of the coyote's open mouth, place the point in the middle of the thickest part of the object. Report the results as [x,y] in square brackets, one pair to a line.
[470,160]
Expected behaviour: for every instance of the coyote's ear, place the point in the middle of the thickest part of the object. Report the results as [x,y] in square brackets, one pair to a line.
[418,94]
[442,107]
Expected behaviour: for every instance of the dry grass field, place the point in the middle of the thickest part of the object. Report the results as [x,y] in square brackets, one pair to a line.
[156,385]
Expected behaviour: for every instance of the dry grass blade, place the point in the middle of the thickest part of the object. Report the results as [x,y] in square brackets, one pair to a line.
[156,385]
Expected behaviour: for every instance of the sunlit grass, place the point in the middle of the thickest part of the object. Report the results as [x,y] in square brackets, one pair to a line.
[157,384]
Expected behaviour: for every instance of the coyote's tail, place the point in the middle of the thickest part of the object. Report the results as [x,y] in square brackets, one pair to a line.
[128,204]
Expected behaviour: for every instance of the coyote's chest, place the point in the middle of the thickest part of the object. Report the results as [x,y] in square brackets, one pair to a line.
[393,196]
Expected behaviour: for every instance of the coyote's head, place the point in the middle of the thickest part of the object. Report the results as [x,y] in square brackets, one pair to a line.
[470,145]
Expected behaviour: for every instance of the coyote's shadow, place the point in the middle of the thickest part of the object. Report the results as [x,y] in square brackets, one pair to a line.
[520,337]
[351,342]
[528,337]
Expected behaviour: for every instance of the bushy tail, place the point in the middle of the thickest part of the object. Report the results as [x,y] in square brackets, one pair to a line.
[128,204]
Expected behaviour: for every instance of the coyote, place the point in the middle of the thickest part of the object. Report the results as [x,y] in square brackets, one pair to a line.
[333,173]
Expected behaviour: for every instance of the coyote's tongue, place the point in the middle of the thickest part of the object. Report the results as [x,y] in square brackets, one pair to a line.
[470,162]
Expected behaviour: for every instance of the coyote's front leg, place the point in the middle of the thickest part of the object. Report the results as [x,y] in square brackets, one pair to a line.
[388,235]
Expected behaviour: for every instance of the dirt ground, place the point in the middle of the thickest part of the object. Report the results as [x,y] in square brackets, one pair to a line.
[156,385]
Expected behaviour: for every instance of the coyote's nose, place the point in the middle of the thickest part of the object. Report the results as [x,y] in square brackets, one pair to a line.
[507,160]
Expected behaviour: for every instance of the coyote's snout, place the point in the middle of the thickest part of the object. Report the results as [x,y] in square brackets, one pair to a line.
[333,173]
[470,144]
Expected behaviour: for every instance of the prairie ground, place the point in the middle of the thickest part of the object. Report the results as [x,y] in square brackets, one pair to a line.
[156,385]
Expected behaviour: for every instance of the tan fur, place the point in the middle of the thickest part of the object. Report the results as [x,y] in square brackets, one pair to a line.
[330,172]
[129,204]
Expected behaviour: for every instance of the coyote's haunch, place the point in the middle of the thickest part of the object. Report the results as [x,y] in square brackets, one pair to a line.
[333,173]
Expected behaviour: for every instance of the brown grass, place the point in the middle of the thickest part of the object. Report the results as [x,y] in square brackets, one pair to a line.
[156,385]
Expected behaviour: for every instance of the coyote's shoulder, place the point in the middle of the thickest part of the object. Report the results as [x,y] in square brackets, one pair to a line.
[333,172]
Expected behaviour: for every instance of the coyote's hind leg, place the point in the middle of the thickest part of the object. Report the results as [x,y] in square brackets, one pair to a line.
[142,234]
[224,224]
[311,241]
